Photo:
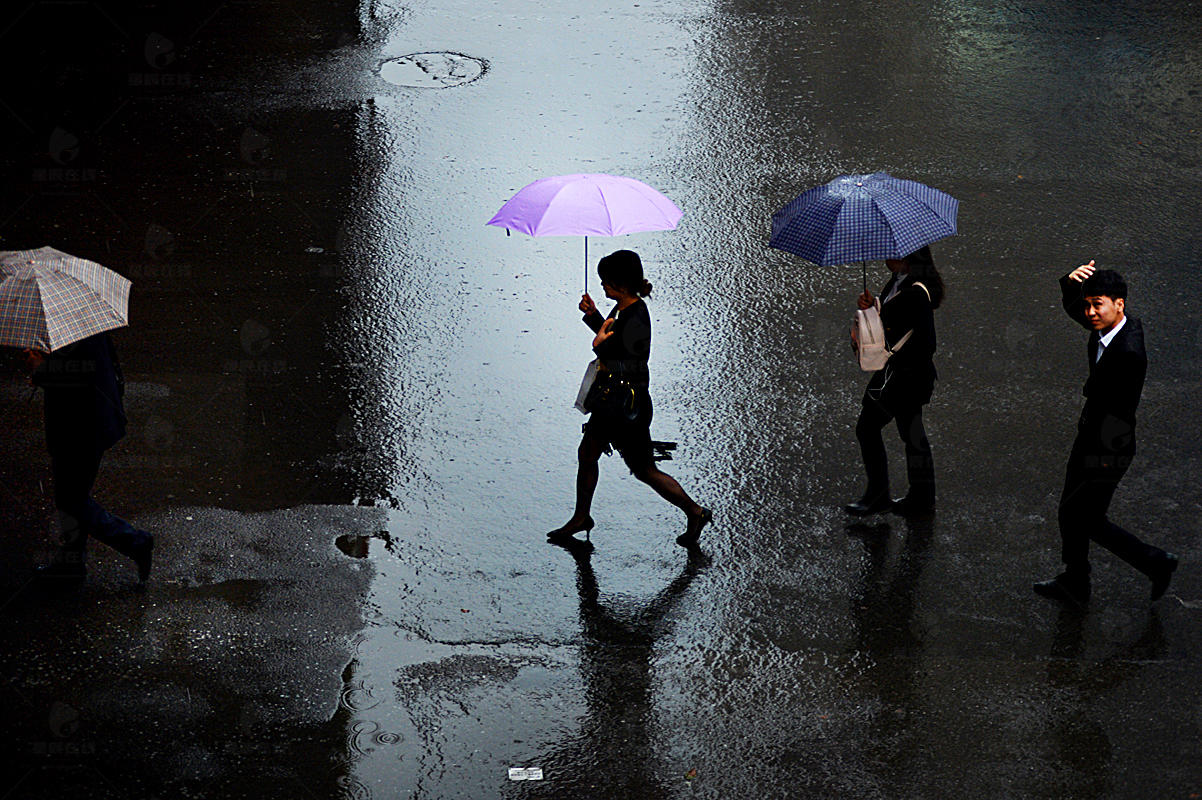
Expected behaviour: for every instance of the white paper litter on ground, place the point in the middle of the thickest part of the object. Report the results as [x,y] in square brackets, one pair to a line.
[525,773]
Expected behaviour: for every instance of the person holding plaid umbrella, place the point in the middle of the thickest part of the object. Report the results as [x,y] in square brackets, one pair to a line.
[59,309]
[867,218]
[900,390]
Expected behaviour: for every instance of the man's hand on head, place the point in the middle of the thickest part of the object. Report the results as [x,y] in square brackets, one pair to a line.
[1082,272]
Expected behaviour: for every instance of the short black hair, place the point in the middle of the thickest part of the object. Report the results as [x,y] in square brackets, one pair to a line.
[1105,283]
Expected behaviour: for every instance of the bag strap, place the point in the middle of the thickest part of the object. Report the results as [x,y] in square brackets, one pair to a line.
[900,342]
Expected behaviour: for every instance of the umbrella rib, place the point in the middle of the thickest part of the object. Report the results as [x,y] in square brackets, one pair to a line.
[609,217]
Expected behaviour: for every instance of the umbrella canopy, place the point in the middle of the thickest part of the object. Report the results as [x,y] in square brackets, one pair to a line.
[587,204]
[863,218]
[49,299]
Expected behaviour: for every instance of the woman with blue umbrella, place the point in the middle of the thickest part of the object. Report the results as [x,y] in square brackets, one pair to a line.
[900,390]
[867,218]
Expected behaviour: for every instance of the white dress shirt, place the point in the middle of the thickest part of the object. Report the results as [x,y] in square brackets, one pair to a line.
[1104,341]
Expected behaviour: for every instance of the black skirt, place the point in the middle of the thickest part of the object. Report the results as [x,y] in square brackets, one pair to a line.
[620,419]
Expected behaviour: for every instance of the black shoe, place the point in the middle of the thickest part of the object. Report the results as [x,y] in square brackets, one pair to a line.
[141,557]
[911,507]
[862,507]
[563,534]
[1073,591]
[1162,574]
[692,533]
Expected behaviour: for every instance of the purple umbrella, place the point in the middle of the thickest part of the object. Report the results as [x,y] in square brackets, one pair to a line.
[587,205]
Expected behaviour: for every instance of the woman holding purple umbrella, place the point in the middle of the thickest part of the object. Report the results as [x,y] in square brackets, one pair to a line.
[900,390]
[619,403]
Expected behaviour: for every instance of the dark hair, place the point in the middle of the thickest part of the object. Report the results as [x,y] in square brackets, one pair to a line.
[1105,283]
[624,270]
[922,267]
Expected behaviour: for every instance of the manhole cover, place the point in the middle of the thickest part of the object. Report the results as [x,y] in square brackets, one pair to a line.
[432,70]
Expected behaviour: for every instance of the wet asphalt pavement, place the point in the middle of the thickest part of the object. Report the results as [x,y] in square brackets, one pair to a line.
[351,421]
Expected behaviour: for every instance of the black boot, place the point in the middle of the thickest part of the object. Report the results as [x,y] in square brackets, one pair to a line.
[873,502]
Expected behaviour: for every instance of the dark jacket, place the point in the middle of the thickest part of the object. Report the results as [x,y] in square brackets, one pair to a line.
[83,385]
[626,352]
[1116,381]
[908,378]
[910,309]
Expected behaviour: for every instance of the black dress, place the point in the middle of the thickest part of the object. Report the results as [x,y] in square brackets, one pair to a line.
[620,412]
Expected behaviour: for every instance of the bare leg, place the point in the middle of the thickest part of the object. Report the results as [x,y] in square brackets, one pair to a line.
[586,476]
[587,473]
[668,488]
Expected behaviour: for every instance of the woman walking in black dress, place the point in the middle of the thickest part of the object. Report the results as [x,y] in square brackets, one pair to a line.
[619,402]
[900,390]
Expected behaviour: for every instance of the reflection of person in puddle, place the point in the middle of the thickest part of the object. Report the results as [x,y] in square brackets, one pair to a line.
[1081,689]
[613,754]
[619,402]
[84,417]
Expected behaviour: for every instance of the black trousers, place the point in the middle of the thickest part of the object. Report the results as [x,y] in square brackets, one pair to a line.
[80,516]
[920,463]
[1089,484]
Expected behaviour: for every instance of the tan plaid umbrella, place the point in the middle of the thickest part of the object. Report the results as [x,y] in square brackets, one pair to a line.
[49,299]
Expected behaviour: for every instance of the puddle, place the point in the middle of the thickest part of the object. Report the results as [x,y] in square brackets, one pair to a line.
[357,546]
[432,70]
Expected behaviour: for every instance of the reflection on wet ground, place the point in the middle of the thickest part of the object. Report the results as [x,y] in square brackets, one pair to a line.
[325,325]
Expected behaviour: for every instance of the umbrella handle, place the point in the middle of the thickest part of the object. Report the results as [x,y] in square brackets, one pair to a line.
[586,265]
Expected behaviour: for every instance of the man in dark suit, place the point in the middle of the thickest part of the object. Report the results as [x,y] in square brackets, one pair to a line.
[84,417]
[1105,443]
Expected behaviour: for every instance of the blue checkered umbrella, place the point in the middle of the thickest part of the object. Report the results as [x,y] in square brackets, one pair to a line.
[863,218]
